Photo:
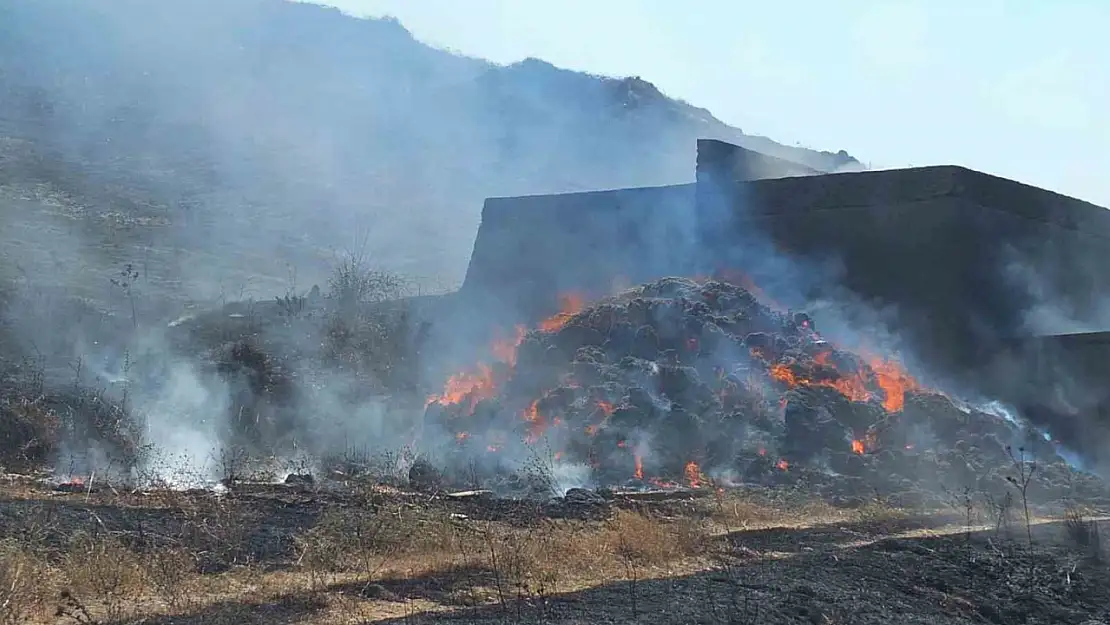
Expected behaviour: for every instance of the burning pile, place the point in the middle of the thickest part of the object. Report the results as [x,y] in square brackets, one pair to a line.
[676,379]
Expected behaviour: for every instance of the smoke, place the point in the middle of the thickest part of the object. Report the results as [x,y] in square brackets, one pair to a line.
[159,177]
[160,159]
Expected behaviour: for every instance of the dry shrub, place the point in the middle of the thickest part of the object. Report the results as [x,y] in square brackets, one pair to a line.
[1083,533]
[742,511]
[22,584]
[653,542]
[364,542]
[102,572]
[555,553]
[28,433]
[169,573]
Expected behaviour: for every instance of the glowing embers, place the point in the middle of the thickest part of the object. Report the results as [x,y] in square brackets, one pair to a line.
[471,387]
[570,304]
[879,377]
[468,387]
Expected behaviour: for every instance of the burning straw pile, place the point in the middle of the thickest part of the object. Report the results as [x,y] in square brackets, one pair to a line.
[684,382]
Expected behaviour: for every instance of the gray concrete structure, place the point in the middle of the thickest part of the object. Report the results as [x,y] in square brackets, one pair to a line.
[958,264]
[959,259]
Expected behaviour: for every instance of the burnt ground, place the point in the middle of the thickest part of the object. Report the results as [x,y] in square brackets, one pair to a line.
[823,575]
[792,563]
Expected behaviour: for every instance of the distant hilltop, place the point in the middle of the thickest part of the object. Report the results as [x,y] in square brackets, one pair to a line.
[246,129]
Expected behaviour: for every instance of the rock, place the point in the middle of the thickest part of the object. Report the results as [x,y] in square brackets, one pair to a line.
[300,479]
[583,497]
[471,494]
[423,476]
[379,592]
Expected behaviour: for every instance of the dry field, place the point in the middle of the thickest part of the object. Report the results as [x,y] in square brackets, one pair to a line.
[373,554]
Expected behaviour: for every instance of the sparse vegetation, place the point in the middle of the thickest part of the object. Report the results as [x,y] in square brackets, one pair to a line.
[1084,533]
[368,327]
[121,557]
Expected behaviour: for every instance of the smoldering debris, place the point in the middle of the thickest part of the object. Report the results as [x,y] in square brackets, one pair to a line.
[694,383]
[675,385]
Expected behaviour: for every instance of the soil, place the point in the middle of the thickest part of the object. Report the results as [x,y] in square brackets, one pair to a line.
[838,575]
[922,568]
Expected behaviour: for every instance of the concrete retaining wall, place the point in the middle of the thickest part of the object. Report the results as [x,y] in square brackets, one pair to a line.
[954,258]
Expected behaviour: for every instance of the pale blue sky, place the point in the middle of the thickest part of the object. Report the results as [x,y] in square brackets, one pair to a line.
[1019,89]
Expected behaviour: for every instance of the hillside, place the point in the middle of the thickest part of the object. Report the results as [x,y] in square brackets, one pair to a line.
[225,145]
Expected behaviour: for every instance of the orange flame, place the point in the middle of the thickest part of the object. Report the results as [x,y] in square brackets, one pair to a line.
[639,473]
[462,436]
[504,350]
[536,423]
[852,387]
[857,446]
[472,387]
[693,474]
[606,408]
[783,465]
[569,305]
[895,382]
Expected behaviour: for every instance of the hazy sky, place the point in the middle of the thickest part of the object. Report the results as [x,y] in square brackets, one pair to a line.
[1019,89]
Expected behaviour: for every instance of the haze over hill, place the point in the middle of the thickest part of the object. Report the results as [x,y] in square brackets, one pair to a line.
[214,142]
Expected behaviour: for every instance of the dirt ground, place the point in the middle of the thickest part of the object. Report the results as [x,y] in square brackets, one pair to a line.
[277,554]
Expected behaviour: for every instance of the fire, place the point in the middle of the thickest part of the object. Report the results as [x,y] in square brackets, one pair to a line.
[889,375]
[606,408]
[471,387]
[505,350]
[693,474]
[569,305]
[895,382]
[639,473]
[852,387]
[783,465]
[462,436]
[536,423]
[857,446]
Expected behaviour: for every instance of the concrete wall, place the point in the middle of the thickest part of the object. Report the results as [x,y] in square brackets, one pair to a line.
[958,264]
[530,249]
[720,160]
[957,258]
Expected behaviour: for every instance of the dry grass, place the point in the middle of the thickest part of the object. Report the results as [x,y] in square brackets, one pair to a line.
[359,563]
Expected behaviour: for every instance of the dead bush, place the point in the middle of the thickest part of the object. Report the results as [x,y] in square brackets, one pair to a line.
[104,572]
[28,433]
[1083,533]
[369,327]
[356,541]
[21,584]
[169,572]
